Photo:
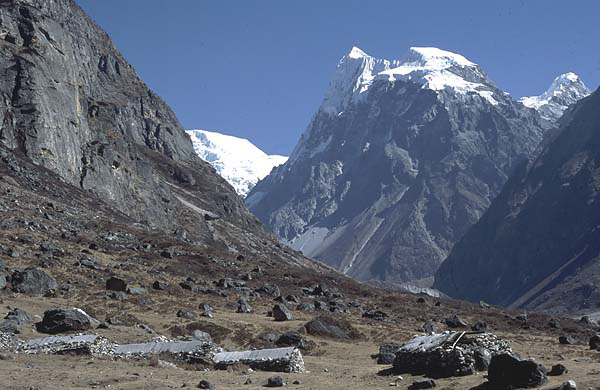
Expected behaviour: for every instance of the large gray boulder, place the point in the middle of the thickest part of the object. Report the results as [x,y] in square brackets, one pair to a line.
[32,281]
[507,371]
[63,320]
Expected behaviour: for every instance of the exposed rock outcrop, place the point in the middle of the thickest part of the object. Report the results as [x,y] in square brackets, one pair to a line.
[72,104]
[538,245]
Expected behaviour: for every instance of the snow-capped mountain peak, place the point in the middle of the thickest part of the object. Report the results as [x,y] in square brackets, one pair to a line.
[237,160]
[356,53]
[565,90]
[430,67]
[434,58]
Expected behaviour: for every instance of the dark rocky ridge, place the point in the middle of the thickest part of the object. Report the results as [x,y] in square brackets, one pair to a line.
[72,104]
[538,244]
[385,187]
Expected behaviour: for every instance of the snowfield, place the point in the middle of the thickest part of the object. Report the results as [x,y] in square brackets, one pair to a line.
[237,160]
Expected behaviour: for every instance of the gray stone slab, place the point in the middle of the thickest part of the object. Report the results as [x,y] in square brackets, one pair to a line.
[171,347]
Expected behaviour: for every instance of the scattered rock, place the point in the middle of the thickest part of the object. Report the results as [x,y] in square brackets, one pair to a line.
[137,291]
[569,385]
[422,384]
[281,313]
[479,326]
[455,322]
[291,339]
[331,327]
[595,342]
[508,371]
[201,336]
[158,285]
[558,369]
[33,281]
[207,310]
[21,317]
[61,320]
[186,314]
[375,314]
[269,289]
[429,327]
[387,353]
[307,307]
[566,340]
[116,284]
[205,385]
[244,306]
[554,323]
[9,326]
[275,381]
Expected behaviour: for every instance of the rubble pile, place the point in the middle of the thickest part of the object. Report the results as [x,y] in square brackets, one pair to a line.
[448,354]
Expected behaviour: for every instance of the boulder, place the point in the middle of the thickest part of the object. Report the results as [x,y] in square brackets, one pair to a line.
[568,385]
[455,322]
[61,320]
[428,327]
[9,326]
[331,327]
[207,310]
[374,314]
[158,285]
[269,289]
[204,384]
[201,336]
[558,369]
[116,284]
[595,342]
[291,339]
[422,384]
[566,340]
[33,281]
[479,326]
[186,314]
[387,353]
[275,381]
[281,313]
[508,371]
[244,306]
[21,317]
[307,307]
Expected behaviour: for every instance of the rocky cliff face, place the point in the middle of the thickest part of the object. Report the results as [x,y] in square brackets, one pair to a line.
[538,244]
[71,103]
[400,160]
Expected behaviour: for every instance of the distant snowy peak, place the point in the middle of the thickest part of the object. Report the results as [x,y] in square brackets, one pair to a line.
[431,67]
[565,90]
[237,160]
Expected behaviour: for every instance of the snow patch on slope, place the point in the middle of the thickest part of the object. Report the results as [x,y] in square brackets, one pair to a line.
[237,160]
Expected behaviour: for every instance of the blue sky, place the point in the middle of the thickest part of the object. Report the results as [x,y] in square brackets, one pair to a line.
[258,69]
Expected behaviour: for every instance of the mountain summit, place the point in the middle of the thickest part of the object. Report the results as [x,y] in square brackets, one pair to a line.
[431,67]
[565,90]
[237,160]
[402,157]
